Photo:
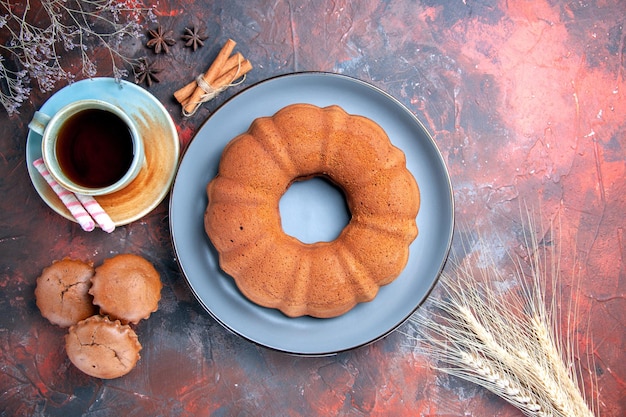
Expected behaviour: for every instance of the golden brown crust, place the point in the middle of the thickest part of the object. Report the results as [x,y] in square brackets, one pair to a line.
[102,348]
[126,287]
[323,279]
[62,292]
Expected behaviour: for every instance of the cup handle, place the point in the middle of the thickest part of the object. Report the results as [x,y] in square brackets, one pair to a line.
[39,122]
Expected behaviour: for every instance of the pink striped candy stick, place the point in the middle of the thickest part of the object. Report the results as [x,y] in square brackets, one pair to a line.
[97,212]
[67,197]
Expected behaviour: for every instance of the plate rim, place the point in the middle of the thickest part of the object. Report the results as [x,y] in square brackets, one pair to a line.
[448,241]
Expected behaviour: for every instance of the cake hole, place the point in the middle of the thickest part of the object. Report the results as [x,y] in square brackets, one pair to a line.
[314,210]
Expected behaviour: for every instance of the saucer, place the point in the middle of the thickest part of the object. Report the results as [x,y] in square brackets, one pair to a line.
[161,143]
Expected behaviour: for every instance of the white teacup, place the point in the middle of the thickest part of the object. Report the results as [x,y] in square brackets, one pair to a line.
[90,147]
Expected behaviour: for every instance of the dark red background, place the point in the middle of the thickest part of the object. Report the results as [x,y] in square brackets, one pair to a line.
[527,103]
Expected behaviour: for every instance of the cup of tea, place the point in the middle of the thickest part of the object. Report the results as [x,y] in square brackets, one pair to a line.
[90,147]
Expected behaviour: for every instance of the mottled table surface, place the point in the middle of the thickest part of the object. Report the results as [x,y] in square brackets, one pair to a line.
[526,102]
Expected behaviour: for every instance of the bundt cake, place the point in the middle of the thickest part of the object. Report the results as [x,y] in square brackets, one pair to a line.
[322,279]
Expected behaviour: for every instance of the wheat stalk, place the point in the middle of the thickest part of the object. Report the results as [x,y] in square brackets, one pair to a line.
[505,339]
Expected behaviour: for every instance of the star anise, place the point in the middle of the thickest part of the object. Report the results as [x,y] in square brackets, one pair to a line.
[146,71]
[160,41]
[194,38]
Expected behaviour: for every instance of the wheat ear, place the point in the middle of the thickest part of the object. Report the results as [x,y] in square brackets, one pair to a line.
[504,339]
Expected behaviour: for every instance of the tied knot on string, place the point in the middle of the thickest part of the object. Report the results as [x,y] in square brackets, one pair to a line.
[210,92]
[222,74]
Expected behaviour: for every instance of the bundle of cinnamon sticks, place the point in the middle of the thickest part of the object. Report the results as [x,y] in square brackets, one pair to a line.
[222,73]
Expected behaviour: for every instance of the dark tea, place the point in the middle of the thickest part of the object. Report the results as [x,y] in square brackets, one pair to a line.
[94,148]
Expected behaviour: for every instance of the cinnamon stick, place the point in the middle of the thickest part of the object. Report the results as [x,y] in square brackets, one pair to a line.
[212,73]
[183,94]
[224,80]
[232,74]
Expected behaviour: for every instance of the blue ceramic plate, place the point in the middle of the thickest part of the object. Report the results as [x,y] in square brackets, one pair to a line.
[160,140]
[367,322]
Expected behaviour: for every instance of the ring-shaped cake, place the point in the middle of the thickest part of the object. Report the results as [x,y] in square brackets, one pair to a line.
[322,279]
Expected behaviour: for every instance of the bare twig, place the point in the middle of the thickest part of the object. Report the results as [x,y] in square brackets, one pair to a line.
[33,50]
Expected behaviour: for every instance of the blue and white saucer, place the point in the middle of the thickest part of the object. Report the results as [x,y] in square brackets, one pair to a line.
[162,148]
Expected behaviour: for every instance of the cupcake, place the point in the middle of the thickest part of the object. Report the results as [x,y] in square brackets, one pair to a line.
[62,292]
[102,348]
[127,288]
